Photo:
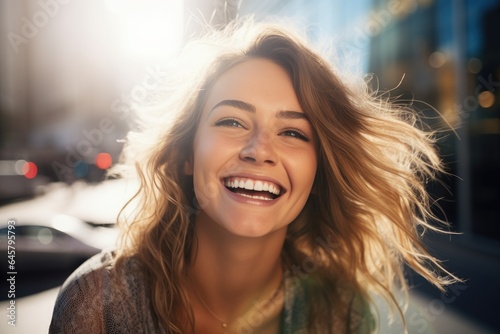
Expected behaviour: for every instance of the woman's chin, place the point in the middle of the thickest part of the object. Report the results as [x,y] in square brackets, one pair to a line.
[250,229]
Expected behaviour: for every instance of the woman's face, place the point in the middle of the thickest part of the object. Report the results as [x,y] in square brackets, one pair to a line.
[254,158]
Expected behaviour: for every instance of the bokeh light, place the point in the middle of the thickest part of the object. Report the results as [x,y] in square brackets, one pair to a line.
[45,236]
[437,59]
[80,169]
[486,99]
[474,65]
[103,160]
[30,170]
[19,166]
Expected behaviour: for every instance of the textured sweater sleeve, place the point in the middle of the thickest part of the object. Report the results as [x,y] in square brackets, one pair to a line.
[97,299]
[80,303]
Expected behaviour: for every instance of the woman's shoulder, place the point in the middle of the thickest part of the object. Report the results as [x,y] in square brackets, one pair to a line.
[95,267]
[99,297]
[95,276]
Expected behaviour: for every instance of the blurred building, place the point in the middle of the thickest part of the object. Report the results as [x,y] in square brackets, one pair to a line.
[447,54]
[72,74]
[58,79]
[445,57]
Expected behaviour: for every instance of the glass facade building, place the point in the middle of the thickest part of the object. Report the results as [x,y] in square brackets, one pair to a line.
[449,55]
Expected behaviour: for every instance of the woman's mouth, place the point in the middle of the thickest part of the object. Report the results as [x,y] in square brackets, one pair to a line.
[255,189]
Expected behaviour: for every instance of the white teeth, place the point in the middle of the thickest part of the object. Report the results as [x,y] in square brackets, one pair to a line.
[275,190]
[249,185]
[253,185]
[257,197]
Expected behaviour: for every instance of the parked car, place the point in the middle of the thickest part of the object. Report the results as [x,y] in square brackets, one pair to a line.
[63,224]
[51,242]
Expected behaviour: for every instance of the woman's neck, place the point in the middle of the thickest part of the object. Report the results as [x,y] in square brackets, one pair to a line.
[231,273]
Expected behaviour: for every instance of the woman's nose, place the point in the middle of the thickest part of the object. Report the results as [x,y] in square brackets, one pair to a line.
[260,148]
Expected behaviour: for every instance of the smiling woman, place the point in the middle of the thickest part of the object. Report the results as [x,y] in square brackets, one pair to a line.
[279,200]
[262,137]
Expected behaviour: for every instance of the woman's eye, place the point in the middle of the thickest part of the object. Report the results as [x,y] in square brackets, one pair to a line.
[295,134]
[229,122]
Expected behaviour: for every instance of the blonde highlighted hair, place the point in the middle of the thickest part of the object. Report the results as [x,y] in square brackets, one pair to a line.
[369,199]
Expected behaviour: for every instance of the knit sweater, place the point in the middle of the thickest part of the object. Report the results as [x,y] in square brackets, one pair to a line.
[97,299]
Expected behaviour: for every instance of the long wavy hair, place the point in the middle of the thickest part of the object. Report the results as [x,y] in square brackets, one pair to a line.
[369,206]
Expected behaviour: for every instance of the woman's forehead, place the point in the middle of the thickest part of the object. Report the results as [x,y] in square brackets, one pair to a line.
[257,81]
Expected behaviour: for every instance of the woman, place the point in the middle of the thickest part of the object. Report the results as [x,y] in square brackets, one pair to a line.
[277,200]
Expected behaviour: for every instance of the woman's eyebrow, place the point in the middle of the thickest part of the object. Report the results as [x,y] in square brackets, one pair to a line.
[236,104]
[286,114]
[290,114]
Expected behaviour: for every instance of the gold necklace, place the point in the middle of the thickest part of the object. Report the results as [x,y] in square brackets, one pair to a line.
[225,324]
